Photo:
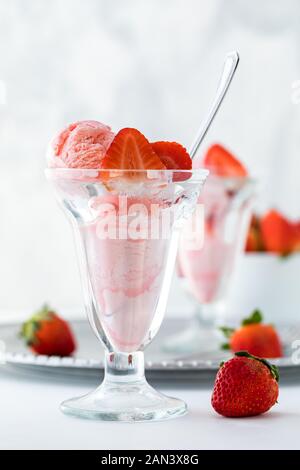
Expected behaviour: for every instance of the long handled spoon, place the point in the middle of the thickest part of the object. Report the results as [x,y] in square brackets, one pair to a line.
[230,66]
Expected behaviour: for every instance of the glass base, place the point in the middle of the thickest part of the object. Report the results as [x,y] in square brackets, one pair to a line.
[202,334]
[194,339]
[129,402]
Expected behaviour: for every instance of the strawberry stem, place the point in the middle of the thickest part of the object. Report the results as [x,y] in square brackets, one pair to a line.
[227,331]
[255,317]
[31,326]
[273,369]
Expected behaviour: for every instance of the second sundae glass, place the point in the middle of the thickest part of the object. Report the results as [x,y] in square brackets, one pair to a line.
[126,227]
[207,270]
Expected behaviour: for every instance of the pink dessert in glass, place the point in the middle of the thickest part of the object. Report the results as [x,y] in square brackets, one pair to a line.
[126,274]
[126,199]
[208,269]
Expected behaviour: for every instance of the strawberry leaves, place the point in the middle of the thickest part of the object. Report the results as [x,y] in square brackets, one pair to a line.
[255,317]
[32,326]
[227,331]
[273,369]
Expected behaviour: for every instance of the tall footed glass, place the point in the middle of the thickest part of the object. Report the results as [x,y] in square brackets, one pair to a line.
[126,229]
[207,270]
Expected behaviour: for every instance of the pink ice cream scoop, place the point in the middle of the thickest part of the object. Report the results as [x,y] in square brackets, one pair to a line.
[82,144]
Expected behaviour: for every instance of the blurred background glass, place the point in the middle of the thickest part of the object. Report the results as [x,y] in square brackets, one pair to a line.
[152,65]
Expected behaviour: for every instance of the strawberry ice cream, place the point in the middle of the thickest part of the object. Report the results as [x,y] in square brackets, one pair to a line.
[208,269]
[226,208]
[82,144]
[126,280]
[125,273]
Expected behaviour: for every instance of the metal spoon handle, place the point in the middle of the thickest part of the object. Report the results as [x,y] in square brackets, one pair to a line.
[230,66]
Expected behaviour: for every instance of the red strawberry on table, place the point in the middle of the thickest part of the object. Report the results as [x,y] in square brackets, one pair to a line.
[48,334]
[222,163]
[130,150]
[255,337]
[245,386]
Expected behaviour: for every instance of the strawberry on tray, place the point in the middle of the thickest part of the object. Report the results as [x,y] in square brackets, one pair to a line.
[255,337]
[48,334]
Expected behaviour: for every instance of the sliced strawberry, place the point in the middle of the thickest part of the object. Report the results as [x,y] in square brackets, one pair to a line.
[175,157]
[222,163]
[130,150]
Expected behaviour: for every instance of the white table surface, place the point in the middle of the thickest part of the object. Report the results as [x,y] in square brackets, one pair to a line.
[30,419]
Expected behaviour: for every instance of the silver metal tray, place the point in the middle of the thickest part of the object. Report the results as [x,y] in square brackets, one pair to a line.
[88,360]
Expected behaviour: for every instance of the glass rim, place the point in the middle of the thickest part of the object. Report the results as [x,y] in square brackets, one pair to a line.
[233,179]
[202,173]
[199,171]
[95,175]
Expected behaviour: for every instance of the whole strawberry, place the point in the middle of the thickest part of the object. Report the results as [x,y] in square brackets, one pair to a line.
[245,386]
[255,337]
[48,334]
[280,235]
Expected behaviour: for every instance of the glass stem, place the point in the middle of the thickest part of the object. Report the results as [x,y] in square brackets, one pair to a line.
[203,316]
[208,315]
[124,368]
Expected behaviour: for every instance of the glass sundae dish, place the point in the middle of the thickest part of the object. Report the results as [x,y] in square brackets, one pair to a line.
[207,270]
[126,205]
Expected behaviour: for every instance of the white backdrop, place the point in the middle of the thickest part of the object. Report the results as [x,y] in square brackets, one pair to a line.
[147,64]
